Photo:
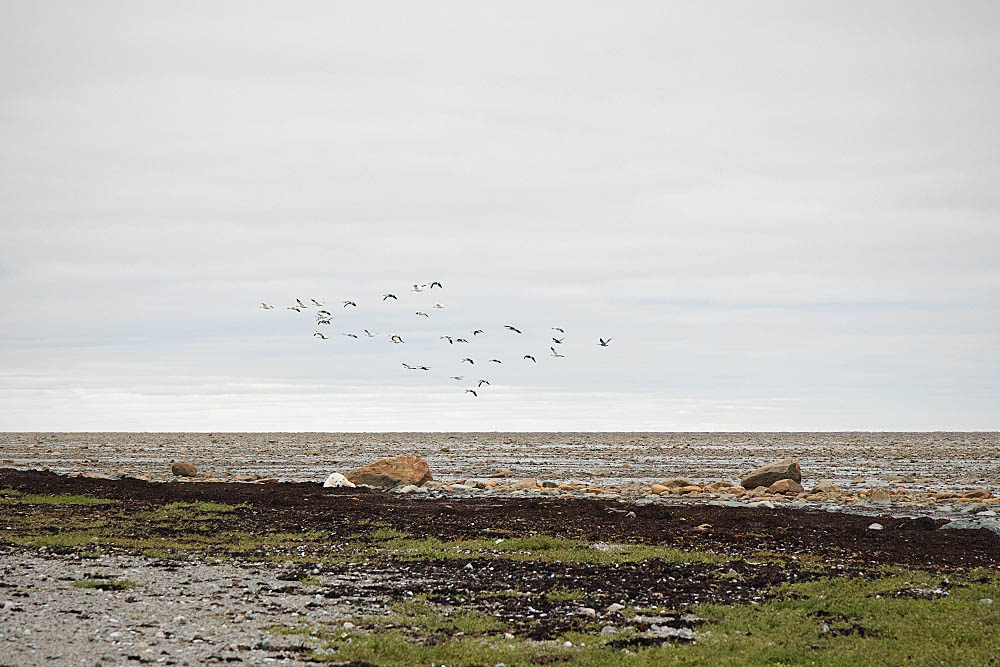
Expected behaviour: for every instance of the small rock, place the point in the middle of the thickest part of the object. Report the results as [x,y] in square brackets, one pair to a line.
[784,486]
[987,601]
[824,486]
[589,612]
[608,630]
[977,493]
[876,526]
[336,479]
[183,469]
[879,496]
[658,489]
[632,488]
[614,608]
[502,472]
[526,483]
[678,482]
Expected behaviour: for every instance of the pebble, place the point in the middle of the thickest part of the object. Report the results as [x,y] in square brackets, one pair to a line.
[876,526]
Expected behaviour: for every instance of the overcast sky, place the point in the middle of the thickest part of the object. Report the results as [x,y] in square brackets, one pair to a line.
[786,215]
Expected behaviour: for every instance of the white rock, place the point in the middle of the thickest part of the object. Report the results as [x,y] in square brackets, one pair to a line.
[590,612]
[608,630]
[987,601]
[336,479]
[614,607]
[875,526]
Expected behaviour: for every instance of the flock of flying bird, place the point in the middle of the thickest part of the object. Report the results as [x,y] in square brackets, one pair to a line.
[325,317]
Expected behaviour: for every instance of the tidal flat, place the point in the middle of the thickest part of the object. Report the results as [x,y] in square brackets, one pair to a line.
[941,460]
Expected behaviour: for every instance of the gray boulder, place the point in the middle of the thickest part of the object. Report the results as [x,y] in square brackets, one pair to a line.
[769,474]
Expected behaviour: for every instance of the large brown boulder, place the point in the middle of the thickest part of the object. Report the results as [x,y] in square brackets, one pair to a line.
[771,473]
[392,472]
[183,469]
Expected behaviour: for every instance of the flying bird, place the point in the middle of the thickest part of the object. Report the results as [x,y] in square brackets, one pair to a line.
[301,305]
[323,312]
[448,338]
[477,332]
[559,329]
[471,391]
[457,377]
[482,382]
[436,283]
[396,339]
[467,359]
[264,306]
[350,335]
[322,320]
[350,303]
[295,308]
[420,312]
[316,303]
[528,356]
[514,329]
[424,368]
[461,340]
[495,361]
[602,342]
[558,340]
[389,296]
[369,333]
[319,334]
[556,354]
[438,305]
[416,288]
[409,367]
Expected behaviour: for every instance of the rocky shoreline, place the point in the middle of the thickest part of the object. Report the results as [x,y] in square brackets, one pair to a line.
[905,496]
[116,571]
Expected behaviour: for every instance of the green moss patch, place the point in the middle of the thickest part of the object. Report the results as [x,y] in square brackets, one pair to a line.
[105,584]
